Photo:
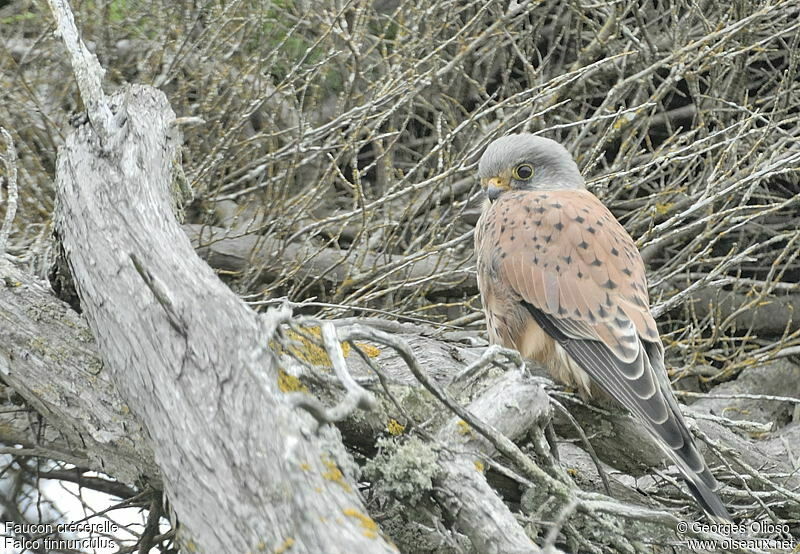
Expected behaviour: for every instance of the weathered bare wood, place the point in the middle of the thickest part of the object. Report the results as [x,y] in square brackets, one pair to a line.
[513,406]
[446,360]
[88,73]
[9,162]
[776,315]
[48,356]
[239,253]
[186,354]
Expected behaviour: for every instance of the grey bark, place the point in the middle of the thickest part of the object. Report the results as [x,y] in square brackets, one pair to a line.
[189,357]
[48,356]
[231,252]
[513,406]
[76,395]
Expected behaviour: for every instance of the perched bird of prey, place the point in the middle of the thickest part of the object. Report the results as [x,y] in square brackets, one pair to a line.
[563,283]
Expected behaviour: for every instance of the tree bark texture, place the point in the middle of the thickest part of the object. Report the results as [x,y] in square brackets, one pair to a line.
[190,358]
[48,355]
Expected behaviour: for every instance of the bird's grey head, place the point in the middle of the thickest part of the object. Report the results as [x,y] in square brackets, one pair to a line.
[526,162]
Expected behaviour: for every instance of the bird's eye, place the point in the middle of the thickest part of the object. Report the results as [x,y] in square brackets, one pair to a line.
[523,172]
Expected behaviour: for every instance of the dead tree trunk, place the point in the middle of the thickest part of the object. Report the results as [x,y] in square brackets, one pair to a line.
[190,359]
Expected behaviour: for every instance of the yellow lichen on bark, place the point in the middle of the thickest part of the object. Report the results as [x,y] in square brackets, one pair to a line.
[335,474]
[290,383]
[307,349]
[395,427]
[367,523]
[285,547]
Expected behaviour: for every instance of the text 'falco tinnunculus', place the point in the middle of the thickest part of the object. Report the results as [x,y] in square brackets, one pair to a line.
[564,284]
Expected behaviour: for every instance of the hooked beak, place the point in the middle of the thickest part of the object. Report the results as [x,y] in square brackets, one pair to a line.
[493,186]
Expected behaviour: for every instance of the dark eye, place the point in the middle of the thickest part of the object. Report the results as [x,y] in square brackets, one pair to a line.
[523,172]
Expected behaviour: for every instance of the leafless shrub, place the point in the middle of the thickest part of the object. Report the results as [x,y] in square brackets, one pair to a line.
[353,129]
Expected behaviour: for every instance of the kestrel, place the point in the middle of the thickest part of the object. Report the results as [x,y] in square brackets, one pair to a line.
[563,283]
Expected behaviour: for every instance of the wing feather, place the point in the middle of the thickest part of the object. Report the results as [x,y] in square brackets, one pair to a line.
[578,274]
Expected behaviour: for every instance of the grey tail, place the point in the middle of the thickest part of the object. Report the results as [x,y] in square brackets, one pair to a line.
[708,499]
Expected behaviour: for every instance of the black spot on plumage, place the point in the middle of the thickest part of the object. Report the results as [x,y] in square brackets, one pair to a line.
[596,263]
[579,219]
[545,264]
[614,252]
[602,312]
[627,272]
[503,255]
[591,316]
[577,313]
[583,244]
[621,323]
[556,205]
[562,310]
[535,260]
[548,238]
[539,223]
[558,269]
[580,275]
[502,229]
[559,226]
[591,229]
[528,209]
[540,210]
[611,285]
[568,259]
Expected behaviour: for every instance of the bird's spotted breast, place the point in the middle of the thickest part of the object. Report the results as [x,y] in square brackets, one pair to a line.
[563,282]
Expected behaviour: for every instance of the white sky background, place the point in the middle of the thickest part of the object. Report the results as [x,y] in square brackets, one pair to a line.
[76,504]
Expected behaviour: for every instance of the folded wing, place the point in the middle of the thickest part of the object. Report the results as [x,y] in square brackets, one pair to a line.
[581,278]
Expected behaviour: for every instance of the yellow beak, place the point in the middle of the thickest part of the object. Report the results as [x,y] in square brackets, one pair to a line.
[496,185]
